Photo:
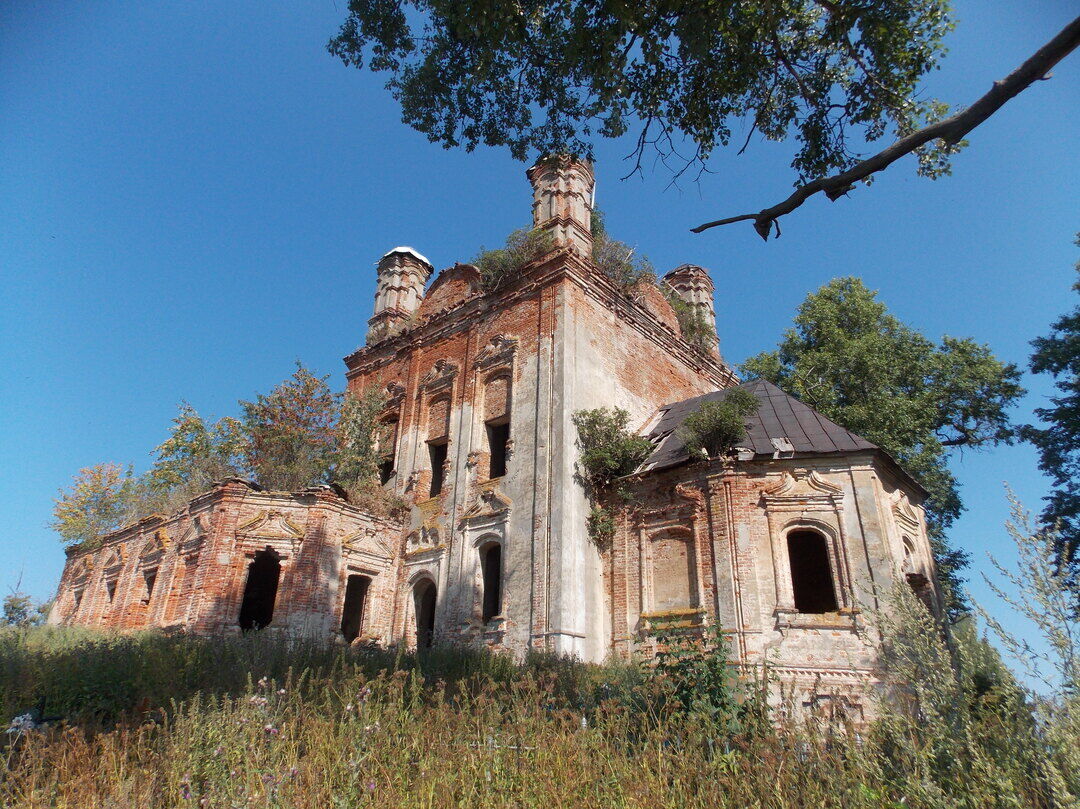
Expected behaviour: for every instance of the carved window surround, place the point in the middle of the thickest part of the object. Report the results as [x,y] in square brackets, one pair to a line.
[803,500]
[270,529]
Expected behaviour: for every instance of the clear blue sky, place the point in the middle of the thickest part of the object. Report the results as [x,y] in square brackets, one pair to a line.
[193,195]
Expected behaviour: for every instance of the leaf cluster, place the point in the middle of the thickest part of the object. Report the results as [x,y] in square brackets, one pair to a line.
[552,77]
[716,426]
[1058,443]
[522,246]
[608,448]
[857,364]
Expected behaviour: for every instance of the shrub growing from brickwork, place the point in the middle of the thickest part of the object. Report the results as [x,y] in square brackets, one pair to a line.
[608,451]
[695,327]
[716,426]
[522,246]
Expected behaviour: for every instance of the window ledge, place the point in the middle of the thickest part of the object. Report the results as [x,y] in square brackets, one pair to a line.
[844,619]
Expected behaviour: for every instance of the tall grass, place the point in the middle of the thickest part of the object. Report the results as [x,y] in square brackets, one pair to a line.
[151,720]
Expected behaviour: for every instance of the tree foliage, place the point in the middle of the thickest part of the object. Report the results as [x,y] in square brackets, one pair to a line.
[609,450]
[292,432]
[545,77]
[860,366]
[548,77]
[99,501]
[716,426]
[1058,354]
[193,456]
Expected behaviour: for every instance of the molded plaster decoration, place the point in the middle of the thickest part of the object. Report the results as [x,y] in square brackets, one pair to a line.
[500,350]
[802,490]
[441,375]
[272,525]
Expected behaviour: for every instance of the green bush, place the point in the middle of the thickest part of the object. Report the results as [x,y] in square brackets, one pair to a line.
[716,426]
[522,246]
[608,448]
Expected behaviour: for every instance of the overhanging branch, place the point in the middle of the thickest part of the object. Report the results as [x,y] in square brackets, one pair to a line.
[951,131]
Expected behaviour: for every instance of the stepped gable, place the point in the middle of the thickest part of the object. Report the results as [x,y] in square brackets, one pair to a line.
[780,418]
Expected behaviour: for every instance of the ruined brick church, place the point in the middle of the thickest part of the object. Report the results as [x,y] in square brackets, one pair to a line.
[787,544]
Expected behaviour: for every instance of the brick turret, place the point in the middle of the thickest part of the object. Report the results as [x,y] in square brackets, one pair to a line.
[403,274]
[563,200]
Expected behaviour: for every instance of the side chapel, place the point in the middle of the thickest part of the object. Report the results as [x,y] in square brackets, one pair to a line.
[788,543]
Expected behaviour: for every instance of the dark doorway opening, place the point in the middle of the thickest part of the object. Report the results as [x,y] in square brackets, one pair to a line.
[437,452]
[424,601]
[491,567]
[498,441]
[811,573]
[257,608]
[352,613]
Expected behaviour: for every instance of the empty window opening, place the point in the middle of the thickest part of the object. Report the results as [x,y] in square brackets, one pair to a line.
[78,594]
[257,608]
[498,439]
[811,573]
[386,470]
[437,452]
[491,568]
[150,577]
[352,613]
[110,589]
[424,603]
[387,450]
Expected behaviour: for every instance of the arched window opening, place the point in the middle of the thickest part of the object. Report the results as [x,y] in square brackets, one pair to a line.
[77,595]
[110,589]
[491,569]
[352,613]
[260,592]
[424,604]
[811,572]
[673,577]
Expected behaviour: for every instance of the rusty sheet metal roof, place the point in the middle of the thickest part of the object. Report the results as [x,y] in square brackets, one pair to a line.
[782,426]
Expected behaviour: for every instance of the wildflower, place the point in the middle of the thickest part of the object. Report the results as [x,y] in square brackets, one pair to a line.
[21,724]
[293,772]
[281,692]
[271,730]
[218,751]
[362,697]
[185,787]
[258,702]
[263,682]
[371,728]
[348,707]
[370,785]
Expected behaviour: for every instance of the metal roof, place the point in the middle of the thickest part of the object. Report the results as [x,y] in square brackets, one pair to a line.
[782,426]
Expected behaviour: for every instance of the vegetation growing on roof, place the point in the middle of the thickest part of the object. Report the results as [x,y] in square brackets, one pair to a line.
[716,426]
[522,246]
[618,261]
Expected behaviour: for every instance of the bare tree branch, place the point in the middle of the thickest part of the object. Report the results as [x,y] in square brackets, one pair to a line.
[951,131]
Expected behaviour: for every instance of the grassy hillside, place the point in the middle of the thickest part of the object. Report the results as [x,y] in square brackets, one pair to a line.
[151,720]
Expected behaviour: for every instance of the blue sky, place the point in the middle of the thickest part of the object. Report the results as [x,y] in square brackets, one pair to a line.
[193,195]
